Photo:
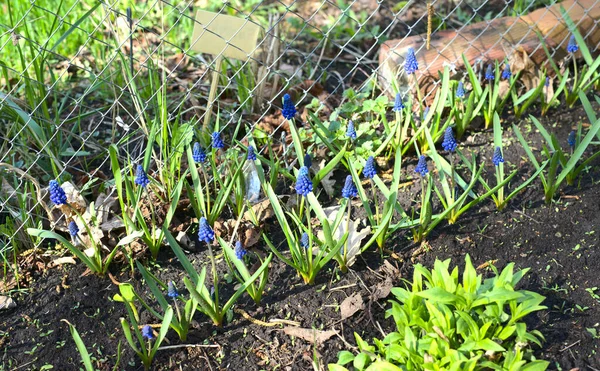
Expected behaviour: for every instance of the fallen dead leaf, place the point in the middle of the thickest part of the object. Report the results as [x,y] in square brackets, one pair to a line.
[351,305]
[311,335]
[64,260]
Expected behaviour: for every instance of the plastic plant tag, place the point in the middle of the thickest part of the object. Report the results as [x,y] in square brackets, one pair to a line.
[224,35]
[252,182]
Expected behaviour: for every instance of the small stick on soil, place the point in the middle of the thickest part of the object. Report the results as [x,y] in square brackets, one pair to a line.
[189,346]
[527,216]
[572,345]
[342,287]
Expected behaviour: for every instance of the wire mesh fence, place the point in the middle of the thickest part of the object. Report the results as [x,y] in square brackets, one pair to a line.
[77,76]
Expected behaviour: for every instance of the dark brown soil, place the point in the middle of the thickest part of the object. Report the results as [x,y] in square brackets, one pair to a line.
[560,243]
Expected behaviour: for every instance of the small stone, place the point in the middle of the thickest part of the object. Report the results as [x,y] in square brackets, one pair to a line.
[558,234]
[7,303]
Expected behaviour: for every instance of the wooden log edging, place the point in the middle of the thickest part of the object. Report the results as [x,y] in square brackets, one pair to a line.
[495,40]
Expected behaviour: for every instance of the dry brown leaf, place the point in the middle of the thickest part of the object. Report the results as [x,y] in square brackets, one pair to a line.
[383,289]
[64,260]
[311,335]
[351,305]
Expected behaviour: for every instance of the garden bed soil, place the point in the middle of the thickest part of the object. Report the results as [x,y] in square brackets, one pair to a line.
[559,242]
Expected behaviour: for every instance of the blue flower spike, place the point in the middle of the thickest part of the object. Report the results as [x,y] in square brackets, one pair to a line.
[307,161]
[572,47]
[489,73]
[349,189]
[171,290]
[449,143]
[425,113]
[303,183]
[460,90]
[217,142]
[506,74]
[304,241]
[73,229]
[421,167]
[147,332]
[251,155]
[141,178]
[410,64]
[198,153]
[57,194]
[370,169]
[497,159]
[547,83]
[398,104]
[240,251]
[289,109]
[205,232]
[351,132]
[571,139]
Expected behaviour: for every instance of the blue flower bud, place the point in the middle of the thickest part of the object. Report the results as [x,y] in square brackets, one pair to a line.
[239,250]
[398,104]
[251,155]
[460,90]
[506,74]
[572,47]
[349,189]
[370,169]
[289,109]
[217,142]
[141,178]
[421,167]
[351,132]
[489,73]
[198,153]
[171,290]
[304,240]
[547,83]
[410,64]
[303,183]
[147,332]
[57,194]
[73,229]
[205,232]
[449,143]
[571,139]
[497,158]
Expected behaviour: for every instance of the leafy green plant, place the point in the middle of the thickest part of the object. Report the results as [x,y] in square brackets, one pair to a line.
[560,165]
[444,321]
[145,349]
[210,302]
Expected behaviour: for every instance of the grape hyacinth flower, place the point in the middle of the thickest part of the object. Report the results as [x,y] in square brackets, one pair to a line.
[303,183]
[205,232]
[141,178]
[307,161]
[370,169]
[217,142]
[198,153]
[239,250]
[460,90]
[421,168]
[410,64]
[171,290]
[497,158]
[349,189]
[547,83]
[572,47]
[489,73]
[147,332]
[449,143]
[304,241]
[289,109]
[506,74]
[571,139]
[398,104]
[73,229]
[351,132]
[57,194]
[251,155]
